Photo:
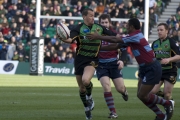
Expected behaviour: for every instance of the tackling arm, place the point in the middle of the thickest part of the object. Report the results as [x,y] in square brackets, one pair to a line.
[112,39]
[69,40]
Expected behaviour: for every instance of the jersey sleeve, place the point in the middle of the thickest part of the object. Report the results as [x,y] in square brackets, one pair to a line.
[174,47]
[152,45]
[136,38]
[75,33]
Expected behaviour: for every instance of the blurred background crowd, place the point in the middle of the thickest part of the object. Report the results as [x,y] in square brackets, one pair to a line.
[18,21]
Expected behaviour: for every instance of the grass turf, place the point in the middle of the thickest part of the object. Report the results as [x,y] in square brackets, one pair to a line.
[26,97]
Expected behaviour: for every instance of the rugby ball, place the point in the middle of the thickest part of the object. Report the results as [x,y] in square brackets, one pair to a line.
[62,31]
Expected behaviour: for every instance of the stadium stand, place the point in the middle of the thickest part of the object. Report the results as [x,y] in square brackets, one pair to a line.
[168,14]
[17,24]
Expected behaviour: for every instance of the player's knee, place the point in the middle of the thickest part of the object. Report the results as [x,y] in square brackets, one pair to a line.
[121,89]
[106,85]
[85,82]
[152,92]
[106,88]
[139,96]
[142,97]
[167,96]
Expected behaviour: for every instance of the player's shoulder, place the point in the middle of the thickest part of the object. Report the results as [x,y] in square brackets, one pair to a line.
[171,39]
[155,41]
[77,27]
[173,42]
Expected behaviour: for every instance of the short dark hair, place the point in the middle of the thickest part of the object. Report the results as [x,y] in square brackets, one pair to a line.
[164,24]
[135,23]
[85,11]
[105,16]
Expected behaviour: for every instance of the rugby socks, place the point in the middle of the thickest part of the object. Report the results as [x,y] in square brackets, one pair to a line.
[155,109]
[154,99]
[109,101]
[83,98]
[89,89]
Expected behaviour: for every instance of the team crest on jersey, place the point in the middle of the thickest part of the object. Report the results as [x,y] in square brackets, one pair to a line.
[97,29]
[166,46]
[86,30]
[155,46]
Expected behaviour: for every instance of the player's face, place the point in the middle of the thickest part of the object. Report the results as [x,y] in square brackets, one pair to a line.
[162,32]
[105,23]
[89,19]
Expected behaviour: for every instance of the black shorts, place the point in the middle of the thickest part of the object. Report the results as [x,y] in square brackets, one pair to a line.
[109,69]
[170,75]
[81,62]
[151,73]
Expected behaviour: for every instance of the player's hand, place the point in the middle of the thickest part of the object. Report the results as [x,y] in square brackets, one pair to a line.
[93,36]
[121,64]
[165,61]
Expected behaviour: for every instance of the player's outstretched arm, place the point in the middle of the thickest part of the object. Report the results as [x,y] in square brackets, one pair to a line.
[96,36]
[69,40]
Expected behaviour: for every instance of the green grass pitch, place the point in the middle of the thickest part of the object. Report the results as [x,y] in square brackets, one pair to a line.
[24,97]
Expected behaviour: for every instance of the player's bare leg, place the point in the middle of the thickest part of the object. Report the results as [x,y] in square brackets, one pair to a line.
[144,91]
[106,84]
[120,87]
[86,80]
[87,75]
[168,88]
[138,85]
[156,89]
[150,100]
